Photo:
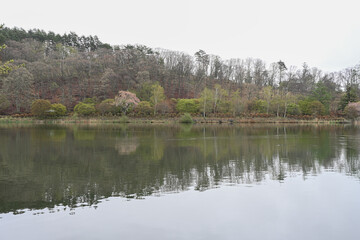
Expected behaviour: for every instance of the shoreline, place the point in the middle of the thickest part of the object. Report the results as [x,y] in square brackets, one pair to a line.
[197,120]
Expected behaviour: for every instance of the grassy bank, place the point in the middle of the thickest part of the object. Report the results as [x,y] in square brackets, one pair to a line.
[197,120]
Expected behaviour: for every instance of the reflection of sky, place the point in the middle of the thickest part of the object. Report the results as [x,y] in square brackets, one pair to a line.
[322,207]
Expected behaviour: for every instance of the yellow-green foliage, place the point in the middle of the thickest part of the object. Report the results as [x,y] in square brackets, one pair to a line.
[293,109]
[59,110]
[41,108]
[84,109]
[157,96]
[92,100]
[206,101]
[188,105]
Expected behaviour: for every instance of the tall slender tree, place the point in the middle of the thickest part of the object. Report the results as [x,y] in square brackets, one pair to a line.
[19,86]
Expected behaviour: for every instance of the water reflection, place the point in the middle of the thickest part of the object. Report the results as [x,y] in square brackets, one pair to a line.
[46,166]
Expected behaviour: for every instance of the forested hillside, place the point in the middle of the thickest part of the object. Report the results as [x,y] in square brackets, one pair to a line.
[68,69]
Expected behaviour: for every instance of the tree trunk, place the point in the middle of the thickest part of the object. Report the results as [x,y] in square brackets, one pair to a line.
[285,109]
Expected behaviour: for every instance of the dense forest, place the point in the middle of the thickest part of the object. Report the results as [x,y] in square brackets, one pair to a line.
[69,69]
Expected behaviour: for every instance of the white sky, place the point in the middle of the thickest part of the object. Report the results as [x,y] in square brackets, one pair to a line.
[323,33]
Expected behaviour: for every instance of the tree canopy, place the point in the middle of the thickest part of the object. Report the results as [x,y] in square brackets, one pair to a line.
[69,68]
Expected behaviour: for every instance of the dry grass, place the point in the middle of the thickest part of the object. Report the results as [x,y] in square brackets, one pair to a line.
[111,120]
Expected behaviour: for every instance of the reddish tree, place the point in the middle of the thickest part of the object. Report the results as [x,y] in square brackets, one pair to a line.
[126,100]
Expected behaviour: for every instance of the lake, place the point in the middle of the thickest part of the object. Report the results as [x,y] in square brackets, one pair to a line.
[179,182]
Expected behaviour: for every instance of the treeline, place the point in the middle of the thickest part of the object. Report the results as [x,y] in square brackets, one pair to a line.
[69,68]
[50,39]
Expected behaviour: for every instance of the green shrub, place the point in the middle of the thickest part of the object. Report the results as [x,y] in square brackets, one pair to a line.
[259,106]
[107,107]
[308,107]
[293,109]
[186,118]
[143,108]
[41,108]
[90,100]
[317,108]
[187,105]
[305,108]
[59,110]
[83,109]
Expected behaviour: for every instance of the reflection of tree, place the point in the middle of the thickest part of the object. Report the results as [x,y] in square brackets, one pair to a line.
[126,146]
[46,166]
[46,134]
[57,134]
[84,134]
[152,147]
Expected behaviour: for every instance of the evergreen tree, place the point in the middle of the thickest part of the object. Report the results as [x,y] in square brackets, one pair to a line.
[349,96]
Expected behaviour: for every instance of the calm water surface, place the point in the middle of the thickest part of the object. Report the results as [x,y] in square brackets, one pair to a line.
[179,182]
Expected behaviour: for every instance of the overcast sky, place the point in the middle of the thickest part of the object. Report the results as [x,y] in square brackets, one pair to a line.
[323,33]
